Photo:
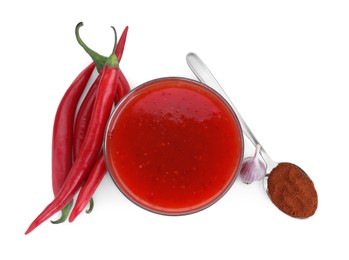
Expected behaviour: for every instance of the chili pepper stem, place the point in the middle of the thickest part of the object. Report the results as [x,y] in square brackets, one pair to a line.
[64,214]
[98,59]
[112,60]
[89,210]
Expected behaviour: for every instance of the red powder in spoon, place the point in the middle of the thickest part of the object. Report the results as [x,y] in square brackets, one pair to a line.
[292,191]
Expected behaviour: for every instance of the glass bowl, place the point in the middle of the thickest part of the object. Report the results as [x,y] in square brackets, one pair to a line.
[173,146]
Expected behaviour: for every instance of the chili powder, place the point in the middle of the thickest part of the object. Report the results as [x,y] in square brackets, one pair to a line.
[292,191]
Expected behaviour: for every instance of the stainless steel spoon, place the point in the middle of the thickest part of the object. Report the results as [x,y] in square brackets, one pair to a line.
[205,76]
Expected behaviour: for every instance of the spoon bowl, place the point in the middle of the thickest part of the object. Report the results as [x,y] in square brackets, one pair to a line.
[291,190]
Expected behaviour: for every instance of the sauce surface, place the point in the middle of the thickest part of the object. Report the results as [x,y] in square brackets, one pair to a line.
[173,146]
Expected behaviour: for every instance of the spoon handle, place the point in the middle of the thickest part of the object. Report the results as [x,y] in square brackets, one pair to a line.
[202,72]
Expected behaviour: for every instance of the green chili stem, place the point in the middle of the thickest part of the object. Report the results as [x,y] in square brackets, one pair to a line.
[89,210]
[65,213]
[112,60]
[115,39]
[98,59]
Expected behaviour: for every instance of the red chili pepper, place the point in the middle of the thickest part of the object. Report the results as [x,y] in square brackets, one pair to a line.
[80,128]
[83,117]
[62,138]
[125,86]
[93,180]
[92,142]
[122,89]
[119,51]
[97,173]
[84,114]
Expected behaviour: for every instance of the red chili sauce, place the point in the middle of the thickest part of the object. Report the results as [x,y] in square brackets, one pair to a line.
[173,146]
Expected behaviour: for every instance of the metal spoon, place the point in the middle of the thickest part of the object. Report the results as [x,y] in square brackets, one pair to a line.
[205,76]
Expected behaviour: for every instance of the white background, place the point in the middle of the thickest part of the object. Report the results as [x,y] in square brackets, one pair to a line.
[284,64]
